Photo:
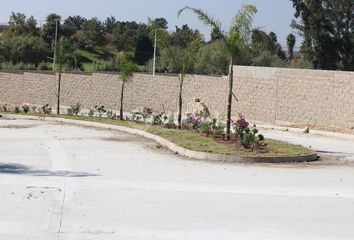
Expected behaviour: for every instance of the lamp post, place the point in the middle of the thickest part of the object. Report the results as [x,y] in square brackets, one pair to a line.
[154,62]
[55,43]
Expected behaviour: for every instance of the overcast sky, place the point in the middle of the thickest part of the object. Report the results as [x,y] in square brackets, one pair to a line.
[273,15]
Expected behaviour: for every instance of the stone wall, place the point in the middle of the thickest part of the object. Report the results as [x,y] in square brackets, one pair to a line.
[270,95]
[293,96]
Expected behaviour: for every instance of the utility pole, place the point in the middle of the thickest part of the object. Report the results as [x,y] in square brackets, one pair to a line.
[154,64]
[55,43]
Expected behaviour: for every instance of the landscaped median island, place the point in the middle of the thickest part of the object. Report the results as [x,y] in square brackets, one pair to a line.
[270,150]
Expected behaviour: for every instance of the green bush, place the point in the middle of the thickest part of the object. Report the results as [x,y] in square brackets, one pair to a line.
[26,108]
[46,109]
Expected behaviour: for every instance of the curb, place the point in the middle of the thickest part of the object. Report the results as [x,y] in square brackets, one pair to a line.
[177,149]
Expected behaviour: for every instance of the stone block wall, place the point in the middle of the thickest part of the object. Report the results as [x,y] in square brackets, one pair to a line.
[270,95]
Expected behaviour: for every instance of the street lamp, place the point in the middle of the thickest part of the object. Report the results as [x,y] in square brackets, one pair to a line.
[154,62]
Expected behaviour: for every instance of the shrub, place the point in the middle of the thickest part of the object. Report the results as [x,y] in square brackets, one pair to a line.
[46,109]
[34,109]
[91,112]
[44,66]
[26,108]
[246,136]
[4,107]
[17,109]
[109,114]
[170,122]
[74,109]
[69,111]
[100,110]
[217,128]
[206,127]
[193,122]
[158,119]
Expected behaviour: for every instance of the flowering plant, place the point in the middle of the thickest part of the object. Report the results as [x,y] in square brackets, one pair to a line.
[193,121]
[241,122]
[248,138]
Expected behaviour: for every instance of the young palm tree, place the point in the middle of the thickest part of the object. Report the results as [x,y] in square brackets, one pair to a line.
[126,69]
[235,39]
[181,62]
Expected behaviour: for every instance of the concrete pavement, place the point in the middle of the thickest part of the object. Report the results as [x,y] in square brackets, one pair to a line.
[69,182]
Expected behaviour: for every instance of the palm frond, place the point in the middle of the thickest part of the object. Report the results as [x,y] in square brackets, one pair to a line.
[203,17]
[242,22]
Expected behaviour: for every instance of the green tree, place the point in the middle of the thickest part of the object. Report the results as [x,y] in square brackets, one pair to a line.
[109,24]
[183,36]
[181,62]
[127,69]
[327,28]
[92,33]
[291,40]
[212,59]
[265,49]
[23,48]
[76,21]
[161,23]
[237,37]
[48,29]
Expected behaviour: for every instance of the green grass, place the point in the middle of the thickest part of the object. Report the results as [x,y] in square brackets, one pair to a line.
[197,142]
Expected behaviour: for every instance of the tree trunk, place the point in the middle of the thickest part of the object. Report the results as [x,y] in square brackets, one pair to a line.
[179,119]
[58,94]
[121,102]
[229,103]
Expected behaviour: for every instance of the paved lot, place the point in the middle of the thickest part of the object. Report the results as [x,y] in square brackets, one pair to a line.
[74,183]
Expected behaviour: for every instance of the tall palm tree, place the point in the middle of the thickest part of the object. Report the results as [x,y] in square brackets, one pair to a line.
[181,62]
[235,39]
[291,40]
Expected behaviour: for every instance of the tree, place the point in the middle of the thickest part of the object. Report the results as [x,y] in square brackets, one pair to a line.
[48,29]
[181,62]
[92,33]
[215,35]
[238,36]
[212,59]
[77,21]
[265,49]
[23,48]
[161,23]
[127,69]
[327,28]
[183,36]
[109,24]
[291,40]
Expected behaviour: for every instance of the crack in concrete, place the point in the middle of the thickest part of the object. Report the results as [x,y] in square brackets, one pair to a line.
[62,210]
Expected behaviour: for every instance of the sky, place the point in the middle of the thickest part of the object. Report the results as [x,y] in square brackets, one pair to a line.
[273,15]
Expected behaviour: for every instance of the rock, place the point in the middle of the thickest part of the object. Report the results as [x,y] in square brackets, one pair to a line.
[0,116]
[306,130]
[158,146]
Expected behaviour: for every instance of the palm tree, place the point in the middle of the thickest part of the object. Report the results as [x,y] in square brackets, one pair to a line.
[291,40]
[182,62]
[127,69]
[235,39]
